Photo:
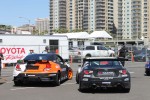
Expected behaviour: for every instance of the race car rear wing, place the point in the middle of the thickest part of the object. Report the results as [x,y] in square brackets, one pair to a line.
[105,59]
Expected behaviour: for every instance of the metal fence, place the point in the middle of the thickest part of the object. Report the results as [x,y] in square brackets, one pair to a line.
[135,53]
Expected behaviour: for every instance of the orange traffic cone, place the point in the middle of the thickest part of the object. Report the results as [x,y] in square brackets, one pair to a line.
[56,51]
[132,57]
[4,65]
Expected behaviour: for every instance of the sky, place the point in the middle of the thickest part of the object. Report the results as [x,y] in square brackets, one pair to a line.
[12,10]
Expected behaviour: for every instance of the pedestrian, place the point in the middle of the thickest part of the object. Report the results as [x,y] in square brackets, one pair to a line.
[122,54]
[31,51]
[47,50]
[1,58]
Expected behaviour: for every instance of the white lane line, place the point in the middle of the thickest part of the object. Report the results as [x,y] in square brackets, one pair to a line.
[131,72]
[68,83]
[22,88]
[9,82]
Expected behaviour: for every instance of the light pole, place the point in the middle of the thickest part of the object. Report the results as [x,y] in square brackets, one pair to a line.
[28,22]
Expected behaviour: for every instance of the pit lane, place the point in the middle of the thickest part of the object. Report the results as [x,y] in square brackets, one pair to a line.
[69,89]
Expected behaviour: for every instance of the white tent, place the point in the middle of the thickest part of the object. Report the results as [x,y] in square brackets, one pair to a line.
[100,34]
[77,35]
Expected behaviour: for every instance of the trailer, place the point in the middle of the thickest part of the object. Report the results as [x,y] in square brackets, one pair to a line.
[15,47]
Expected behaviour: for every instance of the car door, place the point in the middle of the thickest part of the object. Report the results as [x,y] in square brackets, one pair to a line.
[103,52]
[60,61]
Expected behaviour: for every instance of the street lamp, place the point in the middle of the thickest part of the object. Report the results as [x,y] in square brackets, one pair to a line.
[28,22]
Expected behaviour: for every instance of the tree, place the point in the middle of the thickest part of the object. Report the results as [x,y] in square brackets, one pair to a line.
[5,27]
[60,30]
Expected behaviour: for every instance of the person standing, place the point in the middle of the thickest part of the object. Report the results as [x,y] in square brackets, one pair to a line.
[1,58]
[31,51]
[47,50]
[122,53]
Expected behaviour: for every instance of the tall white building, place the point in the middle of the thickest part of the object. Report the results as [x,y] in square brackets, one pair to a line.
[95,15]
[42,25]
[132,19]
[88,15]
[57,14]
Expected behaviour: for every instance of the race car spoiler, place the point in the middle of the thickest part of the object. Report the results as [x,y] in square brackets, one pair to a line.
[105,59]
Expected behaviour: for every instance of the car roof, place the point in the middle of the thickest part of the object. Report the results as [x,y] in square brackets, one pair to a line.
[105,59]
[49,56]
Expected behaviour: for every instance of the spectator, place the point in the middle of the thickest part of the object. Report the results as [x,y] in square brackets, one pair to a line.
[47,50]
[31,51]
[1,58]
[122,53]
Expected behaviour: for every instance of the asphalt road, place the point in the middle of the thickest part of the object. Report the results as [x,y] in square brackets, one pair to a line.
[140,89]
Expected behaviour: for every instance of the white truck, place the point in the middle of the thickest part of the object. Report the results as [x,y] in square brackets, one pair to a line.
[15,47]
[96,51]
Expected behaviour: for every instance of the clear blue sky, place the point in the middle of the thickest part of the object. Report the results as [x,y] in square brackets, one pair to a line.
[11,10]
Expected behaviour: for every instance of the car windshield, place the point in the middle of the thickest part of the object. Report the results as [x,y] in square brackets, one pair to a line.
[38,57]
[102,64]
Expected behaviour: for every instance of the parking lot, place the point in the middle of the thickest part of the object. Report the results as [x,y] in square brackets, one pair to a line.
[69,89]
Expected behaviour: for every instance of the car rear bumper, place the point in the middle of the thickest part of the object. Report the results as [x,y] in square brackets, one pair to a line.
[44,77]
[108,83]
[147,69]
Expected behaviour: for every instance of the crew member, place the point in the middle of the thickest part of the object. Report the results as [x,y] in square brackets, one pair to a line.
[122,53]
[1,58]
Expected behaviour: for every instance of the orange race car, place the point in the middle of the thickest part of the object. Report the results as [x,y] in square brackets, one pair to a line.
[42,67]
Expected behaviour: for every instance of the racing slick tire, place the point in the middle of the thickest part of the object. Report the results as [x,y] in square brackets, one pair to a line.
[58,80]
[18,83]
[81,89]
[77,78]
[126,90]
[147,73]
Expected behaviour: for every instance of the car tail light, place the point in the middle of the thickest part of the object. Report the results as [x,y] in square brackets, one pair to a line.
[88,72]
[18,67]
[48,67]
[123,72]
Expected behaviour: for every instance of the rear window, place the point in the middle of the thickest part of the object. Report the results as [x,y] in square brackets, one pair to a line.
[102,63]
[40,57]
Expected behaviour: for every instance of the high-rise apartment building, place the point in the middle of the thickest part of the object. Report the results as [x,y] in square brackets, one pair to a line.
[88,15]
[57,14]
[148,19]
[132,19]
[42,25]
[71,14]
[94,15]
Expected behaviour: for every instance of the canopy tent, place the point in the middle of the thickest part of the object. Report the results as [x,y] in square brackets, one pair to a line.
[100,34]
[77,35]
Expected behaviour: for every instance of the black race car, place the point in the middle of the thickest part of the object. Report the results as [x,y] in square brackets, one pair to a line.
[103,73]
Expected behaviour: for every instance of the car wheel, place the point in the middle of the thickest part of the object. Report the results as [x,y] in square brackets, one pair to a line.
[81,89]
[88,55]
[77,78]
[111,55]
[18,83]
[58,79]
[147,73]
[126,90]
[70,74]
